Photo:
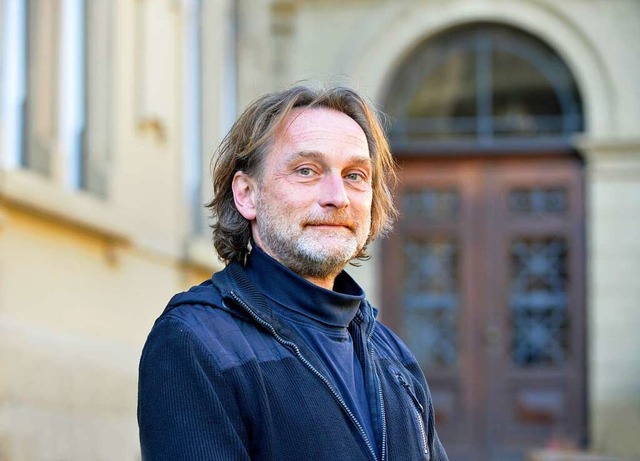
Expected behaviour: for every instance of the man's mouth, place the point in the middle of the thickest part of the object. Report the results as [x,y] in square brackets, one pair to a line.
[331,224]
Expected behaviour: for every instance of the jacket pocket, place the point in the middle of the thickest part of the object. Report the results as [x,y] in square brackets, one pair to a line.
[418,416]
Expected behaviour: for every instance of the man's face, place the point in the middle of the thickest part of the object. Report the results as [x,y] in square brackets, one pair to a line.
[313,199]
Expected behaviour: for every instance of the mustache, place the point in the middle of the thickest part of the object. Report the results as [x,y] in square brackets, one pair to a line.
[331,220]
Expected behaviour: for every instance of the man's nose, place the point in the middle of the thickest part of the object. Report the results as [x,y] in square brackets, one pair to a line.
[333,192]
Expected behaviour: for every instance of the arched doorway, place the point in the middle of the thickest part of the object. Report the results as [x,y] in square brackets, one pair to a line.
[484,273]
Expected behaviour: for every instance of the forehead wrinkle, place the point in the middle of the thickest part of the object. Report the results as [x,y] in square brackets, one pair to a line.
[321,158]
[290,127]
[308,154]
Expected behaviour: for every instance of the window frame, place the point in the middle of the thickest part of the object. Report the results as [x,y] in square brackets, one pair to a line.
[481,133]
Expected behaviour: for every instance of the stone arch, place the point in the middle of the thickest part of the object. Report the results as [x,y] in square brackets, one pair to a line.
[484,82]
[375,58]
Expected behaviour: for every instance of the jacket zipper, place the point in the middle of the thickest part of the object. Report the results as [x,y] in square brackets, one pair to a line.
[418,411]
[319,375]
[383,455]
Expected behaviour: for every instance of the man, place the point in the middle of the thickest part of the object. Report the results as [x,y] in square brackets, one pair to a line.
[279,356]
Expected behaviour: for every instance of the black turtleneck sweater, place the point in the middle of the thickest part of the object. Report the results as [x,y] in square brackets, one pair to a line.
[321,318]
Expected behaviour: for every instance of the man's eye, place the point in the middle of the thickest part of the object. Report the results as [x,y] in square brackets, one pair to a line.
[305,171]
[355,177]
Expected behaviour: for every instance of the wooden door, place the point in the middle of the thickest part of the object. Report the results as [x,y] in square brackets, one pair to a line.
[484,280]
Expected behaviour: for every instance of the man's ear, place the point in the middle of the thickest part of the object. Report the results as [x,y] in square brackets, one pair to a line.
[244,191]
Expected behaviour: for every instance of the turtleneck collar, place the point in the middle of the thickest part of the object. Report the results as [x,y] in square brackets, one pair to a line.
[295,295]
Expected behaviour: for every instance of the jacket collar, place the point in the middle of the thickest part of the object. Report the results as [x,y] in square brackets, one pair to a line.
[235,288]
[292,295]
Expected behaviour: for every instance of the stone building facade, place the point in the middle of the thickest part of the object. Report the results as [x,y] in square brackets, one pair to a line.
[512,271]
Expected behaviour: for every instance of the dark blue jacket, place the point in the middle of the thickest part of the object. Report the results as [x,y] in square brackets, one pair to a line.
[223,378]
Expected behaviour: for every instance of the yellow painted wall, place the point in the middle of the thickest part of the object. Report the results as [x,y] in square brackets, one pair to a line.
[82,279]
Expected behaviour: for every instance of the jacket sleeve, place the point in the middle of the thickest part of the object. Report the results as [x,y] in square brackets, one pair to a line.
[438,452]
[181,415]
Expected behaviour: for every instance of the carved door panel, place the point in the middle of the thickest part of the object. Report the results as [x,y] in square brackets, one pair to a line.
[484,280]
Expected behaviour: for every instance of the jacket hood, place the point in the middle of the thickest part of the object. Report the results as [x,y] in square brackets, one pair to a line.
[204,294]
[218,293]
[231,283]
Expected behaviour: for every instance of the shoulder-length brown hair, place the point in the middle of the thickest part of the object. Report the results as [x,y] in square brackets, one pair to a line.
[252,135]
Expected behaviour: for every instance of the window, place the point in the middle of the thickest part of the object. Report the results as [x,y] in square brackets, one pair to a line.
[193,114]
[55,89]
[483,85]
[95,162]
[210,96]
[13,91]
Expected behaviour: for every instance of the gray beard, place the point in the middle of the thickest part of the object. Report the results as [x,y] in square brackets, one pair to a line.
[304,262]
[299,252]
[301,257]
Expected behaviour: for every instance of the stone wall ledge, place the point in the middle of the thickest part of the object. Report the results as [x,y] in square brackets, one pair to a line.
[556,455]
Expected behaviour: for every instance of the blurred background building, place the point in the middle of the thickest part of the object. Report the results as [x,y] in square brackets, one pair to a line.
[513,272]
